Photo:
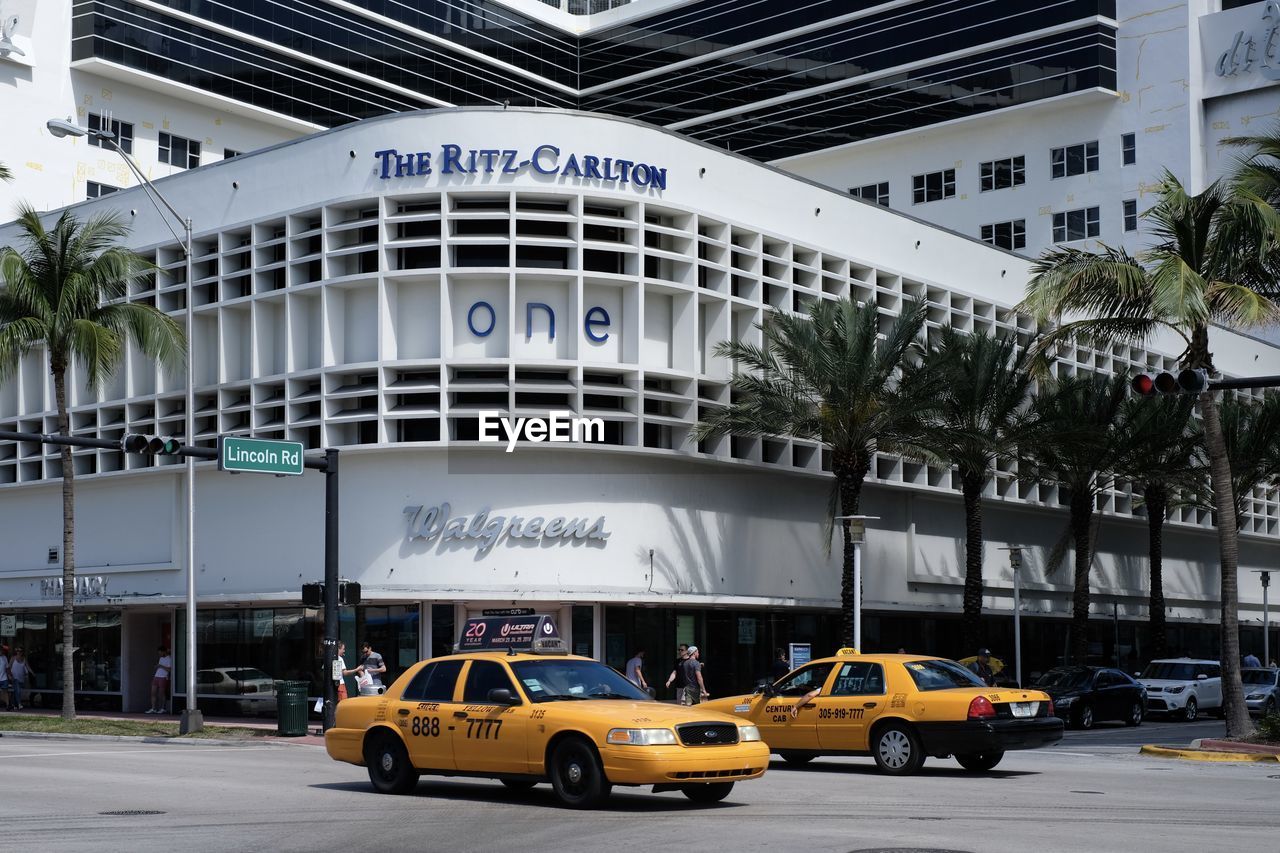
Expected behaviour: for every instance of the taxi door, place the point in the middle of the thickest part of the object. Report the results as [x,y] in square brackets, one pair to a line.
[772,714]
[422,715]
[846,711]
[490,737]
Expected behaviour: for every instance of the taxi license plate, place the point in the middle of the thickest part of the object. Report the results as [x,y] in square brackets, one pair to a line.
[1024,709]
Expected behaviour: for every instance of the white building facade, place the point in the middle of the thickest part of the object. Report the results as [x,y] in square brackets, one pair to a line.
[377,287]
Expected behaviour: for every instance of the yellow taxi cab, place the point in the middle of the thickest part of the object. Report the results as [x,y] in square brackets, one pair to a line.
[513,705]
[897,709]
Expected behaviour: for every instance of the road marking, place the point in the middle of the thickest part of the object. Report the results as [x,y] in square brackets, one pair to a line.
[152,751]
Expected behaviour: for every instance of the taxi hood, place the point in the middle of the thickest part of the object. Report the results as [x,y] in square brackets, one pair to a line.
[639,714]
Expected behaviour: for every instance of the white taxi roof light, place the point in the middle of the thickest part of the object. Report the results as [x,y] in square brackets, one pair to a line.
[641,737]
[847,651]
[549,646]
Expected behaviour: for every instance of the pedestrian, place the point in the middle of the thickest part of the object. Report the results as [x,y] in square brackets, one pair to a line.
[635,670]
[20,672]
[160,681]
[982,668]
[780,667]
[4,677]
[372,664]
[340,672]
[1251,660]
[676,678]
[695,690]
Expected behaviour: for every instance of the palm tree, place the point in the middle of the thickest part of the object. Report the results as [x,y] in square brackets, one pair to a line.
[1163,458]
[5,174]
[828,376]
[1077,444]
[1252,435]
[1214,261]
[62,294]
[977,415]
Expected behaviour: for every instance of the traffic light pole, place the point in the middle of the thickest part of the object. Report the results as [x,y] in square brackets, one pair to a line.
[1247,382]
[330,583]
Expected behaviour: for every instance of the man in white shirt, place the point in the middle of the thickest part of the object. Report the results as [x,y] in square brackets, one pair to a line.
[635,670]
[4,677]
[160,682]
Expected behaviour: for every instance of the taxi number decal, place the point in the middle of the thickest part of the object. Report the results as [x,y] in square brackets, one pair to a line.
[840,713]
[537,713]
[484,729]
[425,727]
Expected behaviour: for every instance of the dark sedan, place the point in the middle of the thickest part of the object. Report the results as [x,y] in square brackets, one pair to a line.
[1084,695]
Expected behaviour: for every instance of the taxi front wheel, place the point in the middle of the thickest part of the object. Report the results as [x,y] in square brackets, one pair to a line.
[576,775]
[897,750]
[707,792]
[389,767]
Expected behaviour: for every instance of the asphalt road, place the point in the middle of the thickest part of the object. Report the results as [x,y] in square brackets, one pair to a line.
[1081,795]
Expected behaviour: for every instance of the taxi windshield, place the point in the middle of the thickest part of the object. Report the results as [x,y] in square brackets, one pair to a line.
[940,675]
[552,680]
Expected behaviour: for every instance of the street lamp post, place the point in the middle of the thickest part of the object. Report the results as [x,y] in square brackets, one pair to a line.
[1265,577]
[1015,563]
[192,719]
[858,535]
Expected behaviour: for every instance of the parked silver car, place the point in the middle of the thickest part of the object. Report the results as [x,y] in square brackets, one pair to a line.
[1261,689]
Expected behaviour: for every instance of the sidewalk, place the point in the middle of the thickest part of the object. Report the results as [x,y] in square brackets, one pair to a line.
[312,738]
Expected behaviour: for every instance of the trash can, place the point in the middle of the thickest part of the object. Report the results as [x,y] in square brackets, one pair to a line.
[291,708]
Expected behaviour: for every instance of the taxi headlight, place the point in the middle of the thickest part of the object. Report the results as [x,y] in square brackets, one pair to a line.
[747,734]
[1178,689]
[641,737]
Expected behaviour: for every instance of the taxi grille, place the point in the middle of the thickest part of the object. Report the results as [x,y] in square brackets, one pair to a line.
[707,734]
[716,774]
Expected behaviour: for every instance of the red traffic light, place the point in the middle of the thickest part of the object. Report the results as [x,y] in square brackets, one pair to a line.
[1143,385]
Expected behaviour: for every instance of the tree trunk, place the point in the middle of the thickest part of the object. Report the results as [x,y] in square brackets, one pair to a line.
[850,471]
[1237,713]
[59,371]
[1157,497]
[1081,518]
[971,626]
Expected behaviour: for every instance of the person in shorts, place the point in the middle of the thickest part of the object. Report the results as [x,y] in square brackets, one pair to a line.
[695,690]
[160,681]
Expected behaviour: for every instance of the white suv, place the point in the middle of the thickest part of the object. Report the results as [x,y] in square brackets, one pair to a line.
[1183,686]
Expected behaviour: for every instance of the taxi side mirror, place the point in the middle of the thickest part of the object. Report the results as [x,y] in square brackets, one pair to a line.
[502,696]
[765,687]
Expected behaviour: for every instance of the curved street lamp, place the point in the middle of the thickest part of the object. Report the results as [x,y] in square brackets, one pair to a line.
[192,720]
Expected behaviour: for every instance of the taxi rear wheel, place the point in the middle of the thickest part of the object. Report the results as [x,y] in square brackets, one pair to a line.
[980,761]
[576,775]
[798,758]
[897,750]
[709,792]
[389,767]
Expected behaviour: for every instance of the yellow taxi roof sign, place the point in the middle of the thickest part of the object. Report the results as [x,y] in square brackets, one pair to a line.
[846,651]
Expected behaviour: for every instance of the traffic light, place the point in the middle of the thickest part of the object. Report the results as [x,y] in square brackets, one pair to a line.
[1190,381]
[134,442]
[348,594]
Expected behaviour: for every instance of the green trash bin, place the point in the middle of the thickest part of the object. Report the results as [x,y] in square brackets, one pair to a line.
[291,708]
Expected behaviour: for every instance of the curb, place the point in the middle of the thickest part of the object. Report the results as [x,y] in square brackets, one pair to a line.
[1205,755]
[177,741]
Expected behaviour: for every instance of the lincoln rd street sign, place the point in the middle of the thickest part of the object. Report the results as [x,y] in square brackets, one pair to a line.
[259,455]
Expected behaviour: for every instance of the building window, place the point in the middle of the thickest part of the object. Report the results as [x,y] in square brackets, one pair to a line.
[876,193]
[96,190]
[123,131]
[1003,174]
[1006,235]
[1129,148]
[228,153]
[180,152]
[1075,225]
[934,186]
[1074,159]
[1130,214]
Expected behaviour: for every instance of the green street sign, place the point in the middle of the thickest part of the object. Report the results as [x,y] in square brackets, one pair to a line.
[260,455]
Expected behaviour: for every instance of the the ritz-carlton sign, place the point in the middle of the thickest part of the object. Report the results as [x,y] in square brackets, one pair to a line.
[453,159]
